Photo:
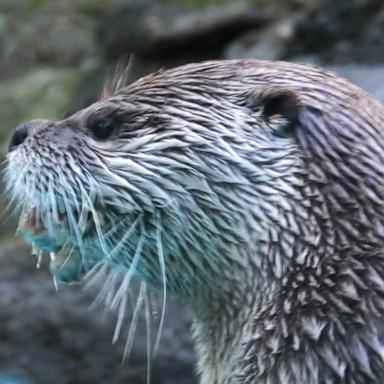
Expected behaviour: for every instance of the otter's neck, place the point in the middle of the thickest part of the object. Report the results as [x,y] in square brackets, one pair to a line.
[222,323]
[224,318]
[222,329]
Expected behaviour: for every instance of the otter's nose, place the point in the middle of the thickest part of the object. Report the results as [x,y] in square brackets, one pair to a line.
[19,136]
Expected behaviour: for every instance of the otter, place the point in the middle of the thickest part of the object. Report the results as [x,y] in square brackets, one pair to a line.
[252,191]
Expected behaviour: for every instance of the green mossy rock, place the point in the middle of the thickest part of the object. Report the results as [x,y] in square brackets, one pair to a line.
[44,93]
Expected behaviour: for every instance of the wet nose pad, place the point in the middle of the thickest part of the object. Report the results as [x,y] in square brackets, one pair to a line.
[21,133]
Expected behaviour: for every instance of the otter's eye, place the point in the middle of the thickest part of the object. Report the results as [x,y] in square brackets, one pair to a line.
[284,131]
[102,129]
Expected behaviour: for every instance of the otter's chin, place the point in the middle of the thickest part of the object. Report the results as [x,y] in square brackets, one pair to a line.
[65,258]
[67,266]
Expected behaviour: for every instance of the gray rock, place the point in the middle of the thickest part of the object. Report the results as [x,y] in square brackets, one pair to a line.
[44,93]
[343,31]
[270,43]
[45,37]
[370,78]
[157,29]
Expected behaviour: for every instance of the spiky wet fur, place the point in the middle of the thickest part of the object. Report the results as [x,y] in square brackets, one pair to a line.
[275,242]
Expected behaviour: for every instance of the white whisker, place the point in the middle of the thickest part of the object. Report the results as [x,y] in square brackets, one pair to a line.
[159,246]
[68,257]
[107,288]
[55,283]
[120,318]
[148,317]
[123,241]
[133,325]
[96,222]
[124,287]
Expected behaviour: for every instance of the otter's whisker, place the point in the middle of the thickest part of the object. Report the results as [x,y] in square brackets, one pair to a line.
[160,253]
[69,255]
[73,227]
[9,213]
[117,80]
[122,77]
[52,199]
[124,287]
[73,182]
[55,283]
[83,215]
[14,191]
[4,165]
[107,288]
[38,213]
[148,317]
[48,215]
[13,203]
[124,239]
[120,317]
[120,293]
[133,325]
[98,272]
[96,221]
[115,228]
[39,259]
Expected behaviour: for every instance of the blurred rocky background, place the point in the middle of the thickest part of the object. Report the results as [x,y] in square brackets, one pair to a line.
[54,59]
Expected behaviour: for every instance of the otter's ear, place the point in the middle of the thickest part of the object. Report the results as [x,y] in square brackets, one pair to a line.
[279,106]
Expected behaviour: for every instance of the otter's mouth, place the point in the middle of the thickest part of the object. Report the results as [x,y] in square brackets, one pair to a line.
[55,243]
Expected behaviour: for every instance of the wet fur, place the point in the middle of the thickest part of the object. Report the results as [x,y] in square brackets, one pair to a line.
[274,239]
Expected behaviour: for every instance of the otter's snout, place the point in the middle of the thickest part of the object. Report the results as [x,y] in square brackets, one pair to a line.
[21,133]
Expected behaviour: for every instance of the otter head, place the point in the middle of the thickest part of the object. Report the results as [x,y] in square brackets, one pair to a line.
[214,180]
[162,172]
